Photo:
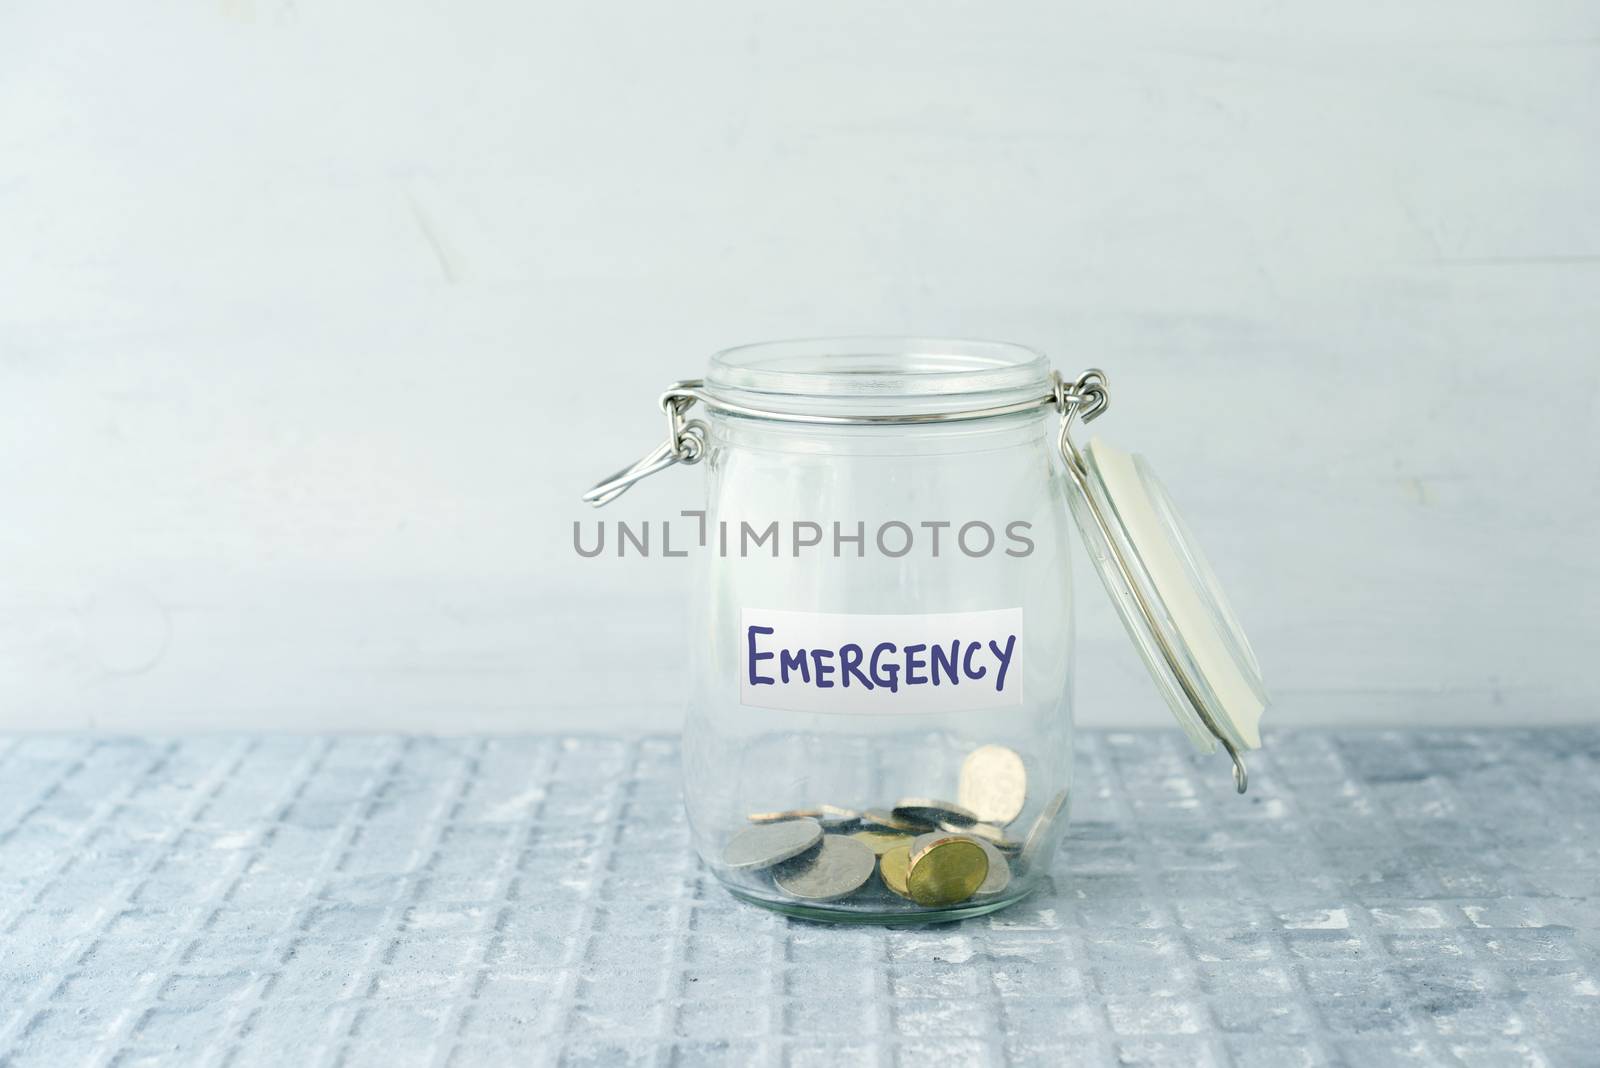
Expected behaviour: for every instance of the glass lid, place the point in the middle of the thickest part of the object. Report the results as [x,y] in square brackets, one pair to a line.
[1168,598]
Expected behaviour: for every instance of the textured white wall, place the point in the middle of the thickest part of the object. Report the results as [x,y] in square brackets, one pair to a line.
[316,317]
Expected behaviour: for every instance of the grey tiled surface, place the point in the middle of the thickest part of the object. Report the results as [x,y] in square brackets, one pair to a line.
[1377,899]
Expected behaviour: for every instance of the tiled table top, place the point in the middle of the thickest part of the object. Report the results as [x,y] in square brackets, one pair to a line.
[1401,898]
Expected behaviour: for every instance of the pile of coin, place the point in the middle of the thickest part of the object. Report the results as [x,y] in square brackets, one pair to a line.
[930,852]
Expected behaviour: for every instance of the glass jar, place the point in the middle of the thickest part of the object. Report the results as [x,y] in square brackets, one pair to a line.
[879,717]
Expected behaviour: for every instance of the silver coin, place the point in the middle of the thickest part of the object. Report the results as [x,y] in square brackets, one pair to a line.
[832,817]
[838,818]
[1040,844]
[838,869]
[781,815]
[993,784]
[931,812]
[883,819]
[767,844]
[999,876]
[987,831]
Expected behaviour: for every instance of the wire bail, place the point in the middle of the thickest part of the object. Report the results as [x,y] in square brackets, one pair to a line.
[685,444]
[686,438]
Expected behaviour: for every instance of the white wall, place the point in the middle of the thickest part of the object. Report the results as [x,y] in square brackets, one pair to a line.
[316,317]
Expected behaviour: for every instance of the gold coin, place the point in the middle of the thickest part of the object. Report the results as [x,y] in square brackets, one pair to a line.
[892,869]
[880,842]
[786,814]
[993,784]
[946,871]
[999,877]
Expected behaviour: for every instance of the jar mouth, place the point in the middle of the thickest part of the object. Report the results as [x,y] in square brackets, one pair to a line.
[878,375]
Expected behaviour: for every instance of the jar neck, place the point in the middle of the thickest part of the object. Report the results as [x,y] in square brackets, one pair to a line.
[1026,429]
[878,377]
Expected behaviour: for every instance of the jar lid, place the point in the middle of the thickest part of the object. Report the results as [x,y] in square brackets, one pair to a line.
[1168,598]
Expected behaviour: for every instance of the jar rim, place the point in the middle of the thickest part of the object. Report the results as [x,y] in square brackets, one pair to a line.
[891,375]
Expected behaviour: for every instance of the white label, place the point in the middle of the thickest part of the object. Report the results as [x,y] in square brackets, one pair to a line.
[826,662]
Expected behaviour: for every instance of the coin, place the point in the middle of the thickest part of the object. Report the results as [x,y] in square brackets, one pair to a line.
[892,869]
[993,784]
[781,815]
[1044,834]
[832,817]
[882,817]
[946,871]
[988,832]
[836,817]
[838,869]
[930,813]
[999,876]
[767,844]
[880,842]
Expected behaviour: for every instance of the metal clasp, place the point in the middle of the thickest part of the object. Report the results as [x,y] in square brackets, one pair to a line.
[1089,395]
[685,444]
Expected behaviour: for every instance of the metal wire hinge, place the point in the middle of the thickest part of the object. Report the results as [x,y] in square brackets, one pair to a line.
[1087,397]
[685,444]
